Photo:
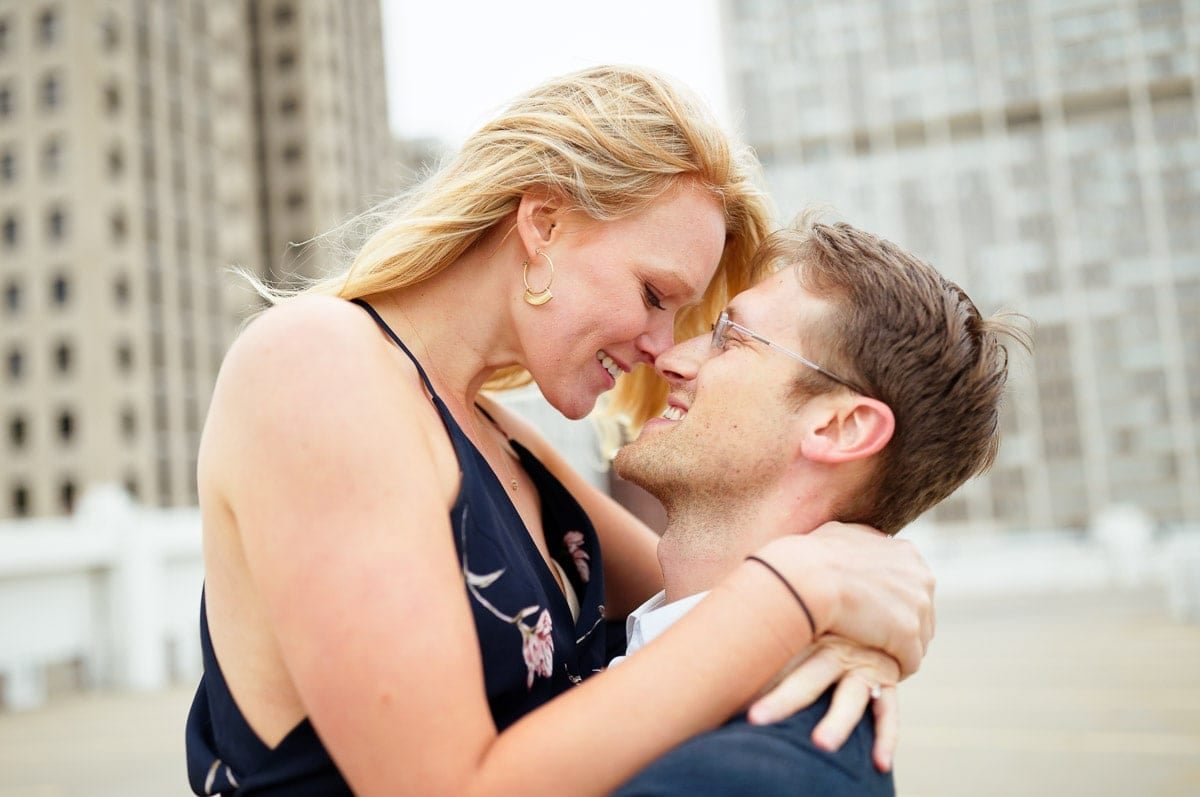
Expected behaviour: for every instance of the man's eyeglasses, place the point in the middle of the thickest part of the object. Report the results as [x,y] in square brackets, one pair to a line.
[721,334]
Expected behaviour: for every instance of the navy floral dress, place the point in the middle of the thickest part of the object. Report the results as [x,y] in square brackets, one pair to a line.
[532,648]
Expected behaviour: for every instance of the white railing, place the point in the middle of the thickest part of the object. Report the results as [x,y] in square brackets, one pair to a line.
[115,588]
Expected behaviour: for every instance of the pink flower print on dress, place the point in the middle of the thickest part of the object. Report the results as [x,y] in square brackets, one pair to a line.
[574,542]
[538,648]
[537,643]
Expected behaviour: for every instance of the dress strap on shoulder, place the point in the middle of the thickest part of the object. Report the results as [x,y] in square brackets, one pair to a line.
[493,421]
[383,325]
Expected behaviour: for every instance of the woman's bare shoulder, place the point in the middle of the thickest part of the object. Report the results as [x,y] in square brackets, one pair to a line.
[321,345]
[315,373]
[311,325]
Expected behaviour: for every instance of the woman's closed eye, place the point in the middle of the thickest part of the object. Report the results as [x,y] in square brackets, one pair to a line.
[652,298]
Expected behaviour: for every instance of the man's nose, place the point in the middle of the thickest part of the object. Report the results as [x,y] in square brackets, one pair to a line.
[680,363]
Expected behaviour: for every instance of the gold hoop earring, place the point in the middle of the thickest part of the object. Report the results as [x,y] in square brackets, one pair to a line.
[532,297]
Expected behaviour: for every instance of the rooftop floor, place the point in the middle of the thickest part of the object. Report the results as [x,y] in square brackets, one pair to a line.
[1095,694]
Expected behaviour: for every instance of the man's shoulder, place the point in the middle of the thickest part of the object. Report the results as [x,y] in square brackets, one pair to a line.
[775,759]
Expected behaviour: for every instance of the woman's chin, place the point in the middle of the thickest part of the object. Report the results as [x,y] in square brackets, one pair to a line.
[577,406]
[574,401]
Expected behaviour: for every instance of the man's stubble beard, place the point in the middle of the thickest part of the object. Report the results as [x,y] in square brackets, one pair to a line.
[695,475]
[666,474]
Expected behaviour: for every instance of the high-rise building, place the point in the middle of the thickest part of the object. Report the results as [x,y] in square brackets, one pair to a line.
[146,146]
[1046,156]
[320,118]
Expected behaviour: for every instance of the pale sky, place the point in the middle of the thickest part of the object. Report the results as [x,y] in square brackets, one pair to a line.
[451,63]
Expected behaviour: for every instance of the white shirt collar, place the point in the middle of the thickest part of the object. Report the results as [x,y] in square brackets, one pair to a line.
[652,618]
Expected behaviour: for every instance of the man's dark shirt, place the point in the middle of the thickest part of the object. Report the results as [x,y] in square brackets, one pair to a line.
[767,761]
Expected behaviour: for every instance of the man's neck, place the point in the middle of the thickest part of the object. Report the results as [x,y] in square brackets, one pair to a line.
[708,535]
[703,543]
[690,564]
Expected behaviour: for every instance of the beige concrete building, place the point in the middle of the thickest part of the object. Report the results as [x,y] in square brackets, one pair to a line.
[320,110]
[1045,155]
[146,145]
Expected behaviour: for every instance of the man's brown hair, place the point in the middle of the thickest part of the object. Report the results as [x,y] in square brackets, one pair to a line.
[915,341]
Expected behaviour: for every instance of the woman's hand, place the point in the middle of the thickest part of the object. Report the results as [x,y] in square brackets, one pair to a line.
[861,585]
[862,674]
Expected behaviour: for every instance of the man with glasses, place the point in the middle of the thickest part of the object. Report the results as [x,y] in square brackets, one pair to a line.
[854,384]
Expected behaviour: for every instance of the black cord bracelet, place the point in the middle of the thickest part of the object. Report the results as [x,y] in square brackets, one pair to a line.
[811,623]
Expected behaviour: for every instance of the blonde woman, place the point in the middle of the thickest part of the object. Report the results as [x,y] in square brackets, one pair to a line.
[406,587]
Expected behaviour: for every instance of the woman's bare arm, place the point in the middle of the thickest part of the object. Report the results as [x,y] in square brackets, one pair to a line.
[344,526]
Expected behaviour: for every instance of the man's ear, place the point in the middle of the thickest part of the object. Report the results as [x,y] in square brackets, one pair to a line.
[846,429]
[537,217]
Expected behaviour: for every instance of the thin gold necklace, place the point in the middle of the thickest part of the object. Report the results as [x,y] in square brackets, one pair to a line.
[469,411]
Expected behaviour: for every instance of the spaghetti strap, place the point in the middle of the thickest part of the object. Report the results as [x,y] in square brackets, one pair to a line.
[383,325]
[493,421]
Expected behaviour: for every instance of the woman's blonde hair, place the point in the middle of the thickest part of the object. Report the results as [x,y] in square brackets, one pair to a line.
[608,140]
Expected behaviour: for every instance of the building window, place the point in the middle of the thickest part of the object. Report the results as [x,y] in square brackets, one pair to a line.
[158,357]
[56,224]
[52,156]
[20,500]
[63,357]
[5,34]
[116,161]
[145,104]
[8,166]
[292,153]
[49,27]
[10,230]
[284,14]
[191,414]
[150,222]
[203,120]
[288,106]
[12,297]
[199,19]
[118,226]
[66,495]
[50,91]
[14,365]
[112,99]
[128,423]
[18,432]
[131,486]
[154,286]
[178,175]
[66,426]
[184,293]
[149,164]
[121,290]
[7,100]
[60,290]
[295,200]
[125,357]
[285,60]
[175,115]
[110,33]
